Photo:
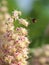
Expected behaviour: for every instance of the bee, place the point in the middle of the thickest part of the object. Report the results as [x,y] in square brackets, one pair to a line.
[34,20]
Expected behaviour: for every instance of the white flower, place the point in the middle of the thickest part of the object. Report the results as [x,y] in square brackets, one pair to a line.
[42,60]
[22,31]
[46,53]
[21,44]
[37,52]
[13,36]
[10,28]
[4,2]
[23,21]
[9,59]
[2,40]
[26,40]
[24,62]
[12,49]
[7,16]
[25,52]
[18,56]
[1,16]
[3,26]
[4,9]
[13,42]
[19,13]
[46,47]
[16,14]
[46,50]
[10,20]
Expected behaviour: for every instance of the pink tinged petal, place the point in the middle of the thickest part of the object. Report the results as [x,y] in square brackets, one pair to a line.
[19,63]
[16,54]
[17,29]
[16,41]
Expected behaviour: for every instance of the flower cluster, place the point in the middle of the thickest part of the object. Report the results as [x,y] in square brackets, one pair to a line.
[3,11]
[41,56]
[14,42]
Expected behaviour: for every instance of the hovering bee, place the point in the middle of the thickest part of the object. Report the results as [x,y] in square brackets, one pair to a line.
[34,20]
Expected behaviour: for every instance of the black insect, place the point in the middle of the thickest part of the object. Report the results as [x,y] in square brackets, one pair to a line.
[34,20]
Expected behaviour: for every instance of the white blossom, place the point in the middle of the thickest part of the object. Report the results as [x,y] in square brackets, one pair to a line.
[1,17]
[14,42]
[4,2]
[4,9]
[23,21]
[16,14]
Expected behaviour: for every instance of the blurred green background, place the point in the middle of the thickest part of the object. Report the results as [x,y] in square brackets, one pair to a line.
[38,9]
